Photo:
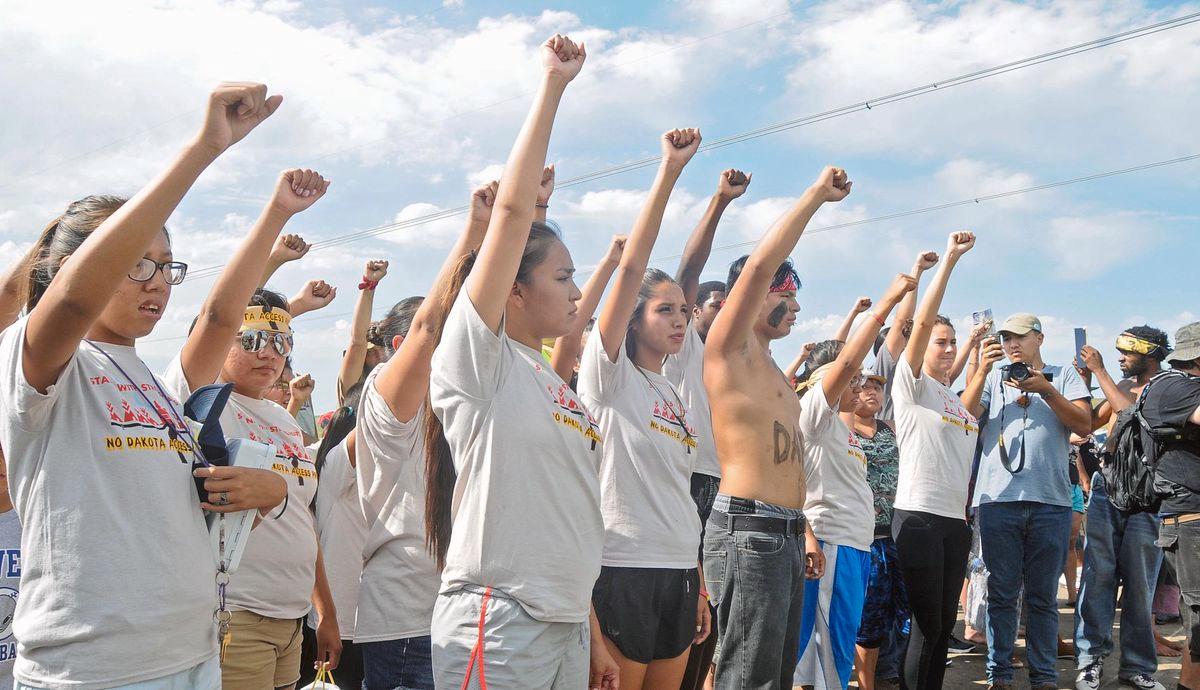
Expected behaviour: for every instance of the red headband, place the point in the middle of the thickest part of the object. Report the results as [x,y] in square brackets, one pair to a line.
[788,285]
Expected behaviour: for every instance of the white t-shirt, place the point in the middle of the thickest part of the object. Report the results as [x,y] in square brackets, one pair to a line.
[10,586]
[839,504]
[118,576]
[526,505]
[936,435]
[342,532]
[399,580]
[649,451]
[276,576]
[686,371]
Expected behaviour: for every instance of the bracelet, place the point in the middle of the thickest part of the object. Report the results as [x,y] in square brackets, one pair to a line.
[704,593]
[876,317]
[542,205]
[284,508]
[367,284]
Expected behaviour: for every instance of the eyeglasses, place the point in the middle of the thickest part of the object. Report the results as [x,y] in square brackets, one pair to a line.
[255,341]
[173,271]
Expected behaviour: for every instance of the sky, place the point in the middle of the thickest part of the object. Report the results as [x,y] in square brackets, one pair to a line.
[407,106]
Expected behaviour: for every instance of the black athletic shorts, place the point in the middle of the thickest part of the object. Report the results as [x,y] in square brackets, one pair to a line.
[648,613]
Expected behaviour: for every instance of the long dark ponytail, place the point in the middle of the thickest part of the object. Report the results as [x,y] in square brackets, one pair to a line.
[440,475]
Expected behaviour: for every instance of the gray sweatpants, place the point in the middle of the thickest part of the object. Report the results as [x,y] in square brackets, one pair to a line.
[508,649]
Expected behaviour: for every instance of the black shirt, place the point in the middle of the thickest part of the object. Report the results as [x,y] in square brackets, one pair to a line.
[1169,402]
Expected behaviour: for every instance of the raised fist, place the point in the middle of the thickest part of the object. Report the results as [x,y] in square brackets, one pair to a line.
[289,248]
[833,184]
[679,145]
[546,186]
[482,200]
[316,294]
[863,304]
[927,260]
[902,285]
[298,189]
[616,248]
[235,108]
[302,388]
[732,184]
[375,270]
[959,243]
[561,58]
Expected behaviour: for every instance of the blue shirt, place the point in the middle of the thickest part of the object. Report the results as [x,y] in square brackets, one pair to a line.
[1044,478]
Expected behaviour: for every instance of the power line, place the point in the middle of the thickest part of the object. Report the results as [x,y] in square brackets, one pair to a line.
[870,104]
[877,219]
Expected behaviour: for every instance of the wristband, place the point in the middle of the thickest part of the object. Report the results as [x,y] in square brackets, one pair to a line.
[283,509]
[877,319]
[542,205]
[367,284]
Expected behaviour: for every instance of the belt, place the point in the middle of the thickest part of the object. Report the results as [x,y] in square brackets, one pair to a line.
[1180,519]
[789,527]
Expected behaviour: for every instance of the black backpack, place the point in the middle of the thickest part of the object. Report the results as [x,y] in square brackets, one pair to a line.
[1129,465]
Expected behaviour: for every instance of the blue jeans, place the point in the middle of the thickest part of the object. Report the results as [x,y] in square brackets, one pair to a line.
[756,581]
[404,664]
[1119,549]
[1024,543]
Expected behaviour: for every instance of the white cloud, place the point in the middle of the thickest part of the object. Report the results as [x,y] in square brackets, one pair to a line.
[1075,241]
[485,175]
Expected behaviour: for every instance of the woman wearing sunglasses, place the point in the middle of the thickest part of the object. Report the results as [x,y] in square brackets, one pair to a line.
[281,574]
[118,577]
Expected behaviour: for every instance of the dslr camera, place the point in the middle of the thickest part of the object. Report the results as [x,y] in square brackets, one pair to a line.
[1018,372]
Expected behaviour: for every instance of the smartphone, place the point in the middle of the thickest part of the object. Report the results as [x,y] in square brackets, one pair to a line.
[985,316]
[1080,342]
[307,419]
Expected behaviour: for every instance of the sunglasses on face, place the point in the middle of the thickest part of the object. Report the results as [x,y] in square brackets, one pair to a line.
[173,271]
[255,341]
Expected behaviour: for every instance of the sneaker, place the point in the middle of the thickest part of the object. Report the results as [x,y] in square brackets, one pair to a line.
[1089,678]
[1143,681]
[958,646]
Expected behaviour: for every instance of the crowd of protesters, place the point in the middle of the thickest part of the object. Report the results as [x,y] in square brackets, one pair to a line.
[529,485]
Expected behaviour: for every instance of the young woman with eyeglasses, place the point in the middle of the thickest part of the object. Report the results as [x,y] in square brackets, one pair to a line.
[648,597]
[99,457]
[243,336]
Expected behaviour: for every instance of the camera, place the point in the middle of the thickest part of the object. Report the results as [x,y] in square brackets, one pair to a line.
[1018,372]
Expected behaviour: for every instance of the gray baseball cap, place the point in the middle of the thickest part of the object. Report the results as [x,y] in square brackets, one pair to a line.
[1187,344]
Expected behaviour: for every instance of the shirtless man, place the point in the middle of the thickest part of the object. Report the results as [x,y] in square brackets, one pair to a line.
[754,549]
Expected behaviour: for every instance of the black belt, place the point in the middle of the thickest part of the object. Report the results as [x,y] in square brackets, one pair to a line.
[789,527]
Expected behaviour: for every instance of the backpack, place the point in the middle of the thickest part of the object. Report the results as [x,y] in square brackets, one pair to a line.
[1131,456]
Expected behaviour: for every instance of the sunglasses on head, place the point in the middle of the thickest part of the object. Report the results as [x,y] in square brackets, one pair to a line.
[173,271]
[1129,343]
[255,341]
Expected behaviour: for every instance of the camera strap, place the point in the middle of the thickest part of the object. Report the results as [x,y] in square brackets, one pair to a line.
[1004,459]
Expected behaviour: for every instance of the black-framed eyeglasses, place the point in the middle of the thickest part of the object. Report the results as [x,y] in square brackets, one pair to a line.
[255,341]
[173,271]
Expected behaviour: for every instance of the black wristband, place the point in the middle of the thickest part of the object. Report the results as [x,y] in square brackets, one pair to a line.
[283,509]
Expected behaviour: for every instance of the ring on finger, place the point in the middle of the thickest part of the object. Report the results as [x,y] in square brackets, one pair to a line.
[223,498]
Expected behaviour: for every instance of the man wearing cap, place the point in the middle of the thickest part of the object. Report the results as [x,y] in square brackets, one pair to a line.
[1023,495]
[1120,547]
[1171,406]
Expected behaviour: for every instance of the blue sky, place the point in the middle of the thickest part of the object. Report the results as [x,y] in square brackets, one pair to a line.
[407,105]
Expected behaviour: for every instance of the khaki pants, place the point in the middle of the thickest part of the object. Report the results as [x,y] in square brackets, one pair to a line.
[263,653]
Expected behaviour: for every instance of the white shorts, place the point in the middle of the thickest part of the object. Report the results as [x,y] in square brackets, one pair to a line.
[482,637]
[203,676]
